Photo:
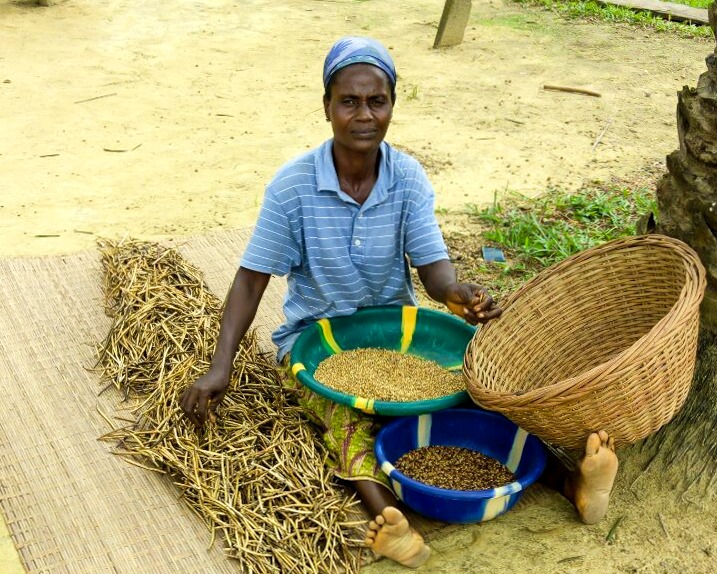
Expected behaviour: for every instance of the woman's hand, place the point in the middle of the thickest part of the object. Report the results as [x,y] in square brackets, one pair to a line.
[204,396]
[471,302]
[467,300]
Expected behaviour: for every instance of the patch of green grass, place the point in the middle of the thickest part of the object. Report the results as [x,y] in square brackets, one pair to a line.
[515,21]
[413,93]
[694,3]
[536,233]
[591,10]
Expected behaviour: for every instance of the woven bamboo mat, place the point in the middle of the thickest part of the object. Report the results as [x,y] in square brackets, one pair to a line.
[69,504]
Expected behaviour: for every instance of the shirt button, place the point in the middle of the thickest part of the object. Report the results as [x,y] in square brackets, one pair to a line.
[357,242]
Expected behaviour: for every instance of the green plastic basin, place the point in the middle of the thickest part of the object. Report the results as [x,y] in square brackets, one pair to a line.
[433,335]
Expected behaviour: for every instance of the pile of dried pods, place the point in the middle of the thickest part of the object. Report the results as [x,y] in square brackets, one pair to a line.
[255,474]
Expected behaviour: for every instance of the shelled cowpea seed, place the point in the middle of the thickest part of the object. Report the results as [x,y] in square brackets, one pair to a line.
[387,375]
[453,467]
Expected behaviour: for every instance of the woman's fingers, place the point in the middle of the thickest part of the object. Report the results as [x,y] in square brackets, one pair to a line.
[191,406]
[484,309]
[494,313]
[202,407]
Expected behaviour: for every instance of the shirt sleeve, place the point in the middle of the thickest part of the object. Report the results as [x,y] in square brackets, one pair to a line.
[424,240]
[273,248]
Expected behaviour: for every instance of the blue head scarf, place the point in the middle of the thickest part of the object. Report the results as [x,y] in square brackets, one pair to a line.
[358,50]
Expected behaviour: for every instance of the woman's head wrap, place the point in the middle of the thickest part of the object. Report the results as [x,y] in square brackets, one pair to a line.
[358,50]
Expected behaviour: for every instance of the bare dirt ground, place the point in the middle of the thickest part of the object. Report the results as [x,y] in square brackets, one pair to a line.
[165,119]
[162,119]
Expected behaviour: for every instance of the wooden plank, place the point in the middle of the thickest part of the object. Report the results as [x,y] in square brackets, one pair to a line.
[453,23]
[667,10]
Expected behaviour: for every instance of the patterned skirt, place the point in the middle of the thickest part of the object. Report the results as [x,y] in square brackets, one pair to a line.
[347,433]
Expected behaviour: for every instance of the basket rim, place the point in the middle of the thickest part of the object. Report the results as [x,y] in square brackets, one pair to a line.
[597,377]
[688,256]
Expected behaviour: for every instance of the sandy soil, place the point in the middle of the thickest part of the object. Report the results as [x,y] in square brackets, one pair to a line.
[163,119]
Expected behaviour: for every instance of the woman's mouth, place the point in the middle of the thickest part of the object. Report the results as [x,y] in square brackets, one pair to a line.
[364,134]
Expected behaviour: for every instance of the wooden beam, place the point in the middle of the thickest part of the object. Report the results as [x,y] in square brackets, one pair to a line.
[453,23]
[667,10]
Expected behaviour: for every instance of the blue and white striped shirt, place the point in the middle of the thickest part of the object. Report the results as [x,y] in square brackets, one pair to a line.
[339,255]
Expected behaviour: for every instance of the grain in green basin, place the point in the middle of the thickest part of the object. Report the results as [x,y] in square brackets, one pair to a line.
[387,375]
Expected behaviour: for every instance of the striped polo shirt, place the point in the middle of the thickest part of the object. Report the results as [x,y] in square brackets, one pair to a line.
[339,255]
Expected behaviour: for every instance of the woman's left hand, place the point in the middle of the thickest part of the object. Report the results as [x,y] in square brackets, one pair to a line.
[472,303]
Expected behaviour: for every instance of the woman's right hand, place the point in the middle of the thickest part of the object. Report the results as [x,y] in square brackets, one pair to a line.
[204,395]
[242,302]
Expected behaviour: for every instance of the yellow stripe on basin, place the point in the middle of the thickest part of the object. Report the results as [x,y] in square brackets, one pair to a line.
[325,326]
[365,405]
[409,315]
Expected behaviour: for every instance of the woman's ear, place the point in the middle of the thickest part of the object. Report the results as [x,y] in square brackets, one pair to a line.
[326,108]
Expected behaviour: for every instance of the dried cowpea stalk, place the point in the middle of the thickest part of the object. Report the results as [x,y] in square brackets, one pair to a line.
[256,473]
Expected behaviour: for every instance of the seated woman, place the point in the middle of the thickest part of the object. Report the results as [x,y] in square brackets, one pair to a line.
[344,222]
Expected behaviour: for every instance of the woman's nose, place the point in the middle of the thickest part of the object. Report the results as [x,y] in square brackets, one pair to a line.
[363,111]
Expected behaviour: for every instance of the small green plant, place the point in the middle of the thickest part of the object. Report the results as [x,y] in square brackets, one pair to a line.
[536,232]
[539,232]
[413,94]
[694,3]
[591,10]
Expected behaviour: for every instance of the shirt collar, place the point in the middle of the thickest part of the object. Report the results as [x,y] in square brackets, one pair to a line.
[328,180]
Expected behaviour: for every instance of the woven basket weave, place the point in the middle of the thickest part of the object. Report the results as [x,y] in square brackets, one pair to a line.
[605,339]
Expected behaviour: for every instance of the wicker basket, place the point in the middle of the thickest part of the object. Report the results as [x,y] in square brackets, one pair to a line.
[605,339]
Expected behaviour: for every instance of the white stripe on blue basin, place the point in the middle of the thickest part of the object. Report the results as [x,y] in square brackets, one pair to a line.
[423,432]
[516,451]
[494,507]
[397,489]
[509,488]
[387,468]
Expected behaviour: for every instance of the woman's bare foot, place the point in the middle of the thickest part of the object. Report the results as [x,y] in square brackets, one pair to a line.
[390,535]
[591,484]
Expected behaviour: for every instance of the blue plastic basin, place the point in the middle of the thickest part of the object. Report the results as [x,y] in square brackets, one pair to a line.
[487,432]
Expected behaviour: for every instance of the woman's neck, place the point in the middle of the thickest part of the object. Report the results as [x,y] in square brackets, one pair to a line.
[357,173]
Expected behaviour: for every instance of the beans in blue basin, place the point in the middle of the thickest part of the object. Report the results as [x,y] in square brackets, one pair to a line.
[455,468]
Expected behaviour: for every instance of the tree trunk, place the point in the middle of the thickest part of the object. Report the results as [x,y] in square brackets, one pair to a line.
[686,449]
[687,194]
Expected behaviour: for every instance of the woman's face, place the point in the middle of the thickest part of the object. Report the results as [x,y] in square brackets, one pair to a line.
[359,107]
